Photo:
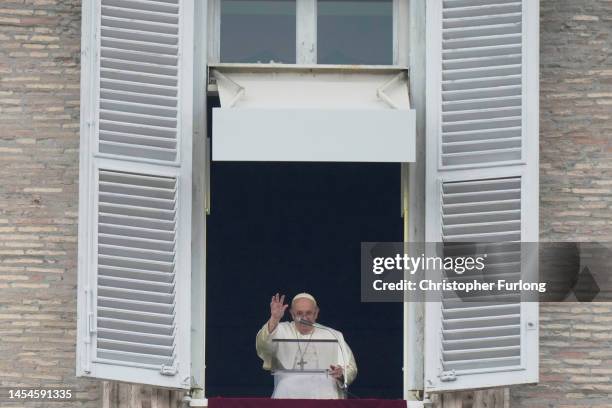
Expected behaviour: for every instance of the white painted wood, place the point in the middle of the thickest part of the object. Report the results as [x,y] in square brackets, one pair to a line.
[306,31]
[201,184]
[401,32]
[409,29]
[340,135]
[86,186]
[331,109]
[135,192]
[137,89]
[482,181]
[258,67]
[214,31]
[481,83]
[318,88]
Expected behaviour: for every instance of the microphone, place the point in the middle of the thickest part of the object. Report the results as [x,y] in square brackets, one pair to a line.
[319,326]
[307,323]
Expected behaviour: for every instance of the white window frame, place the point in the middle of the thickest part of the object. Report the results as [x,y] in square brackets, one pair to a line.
[306,32]
[408,35]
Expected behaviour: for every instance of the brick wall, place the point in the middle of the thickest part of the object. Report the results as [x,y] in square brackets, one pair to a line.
[39,99]
[576,196]
[39,140]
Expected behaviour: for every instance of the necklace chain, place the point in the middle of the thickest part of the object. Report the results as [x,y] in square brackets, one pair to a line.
[302,353]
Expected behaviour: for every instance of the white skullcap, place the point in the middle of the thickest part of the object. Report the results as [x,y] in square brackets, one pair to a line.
[304,295]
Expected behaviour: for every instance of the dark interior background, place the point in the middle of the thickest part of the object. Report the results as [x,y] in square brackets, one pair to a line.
[289,228]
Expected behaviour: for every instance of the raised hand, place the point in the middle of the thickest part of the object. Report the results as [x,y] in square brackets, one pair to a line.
[277,307]
[277,311]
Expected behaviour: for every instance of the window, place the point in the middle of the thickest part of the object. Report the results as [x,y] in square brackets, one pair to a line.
[355,32]
[341,32]
[258,31]
[138,283]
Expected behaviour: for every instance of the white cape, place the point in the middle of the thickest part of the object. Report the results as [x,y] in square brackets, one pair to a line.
[302,385]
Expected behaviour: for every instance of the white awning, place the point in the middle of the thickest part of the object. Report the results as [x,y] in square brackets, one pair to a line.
[312,113]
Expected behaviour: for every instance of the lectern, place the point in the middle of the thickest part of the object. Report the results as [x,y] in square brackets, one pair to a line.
[301,368]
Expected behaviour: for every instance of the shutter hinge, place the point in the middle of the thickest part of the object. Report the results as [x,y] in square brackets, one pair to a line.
[448,376]
[90,314]
[168,370]
[91,327]
[90,323]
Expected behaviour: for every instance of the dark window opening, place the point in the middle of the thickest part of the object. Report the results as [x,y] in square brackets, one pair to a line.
[293,227]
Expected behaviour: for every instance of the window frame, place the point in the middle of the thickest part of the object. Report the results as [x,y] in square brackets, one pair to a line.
[408,35]
[305,32]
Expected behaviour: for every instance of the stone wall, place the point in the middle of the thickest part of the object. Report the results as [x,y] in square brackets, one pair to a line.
[576,196]
[39,141]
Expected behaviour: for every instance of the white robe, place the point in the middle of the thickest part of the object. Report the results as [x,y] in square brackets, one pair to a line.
[307,386]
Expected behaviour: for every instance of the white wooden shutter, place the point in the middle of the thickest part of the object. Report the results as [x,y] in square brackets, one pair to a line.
[482,183]
[134,264]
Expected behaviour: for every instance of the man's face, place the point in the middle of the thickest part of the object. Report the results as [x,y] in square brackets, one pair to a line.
[304,309]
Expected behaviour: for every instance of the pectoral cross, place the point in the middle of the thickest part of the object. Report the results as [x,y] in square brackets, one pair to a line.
[301,363]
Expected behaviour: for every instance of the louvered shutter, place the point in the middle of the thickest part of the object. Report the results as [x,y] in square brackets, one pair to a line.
[482,185]
[135,191]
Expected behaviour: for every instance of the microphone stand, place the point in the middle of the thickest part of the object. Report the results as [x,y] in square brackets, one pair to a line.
[305,322]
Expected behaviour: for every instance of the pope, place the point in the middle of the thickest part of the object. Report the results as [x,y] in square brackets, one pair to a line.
[303,349]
